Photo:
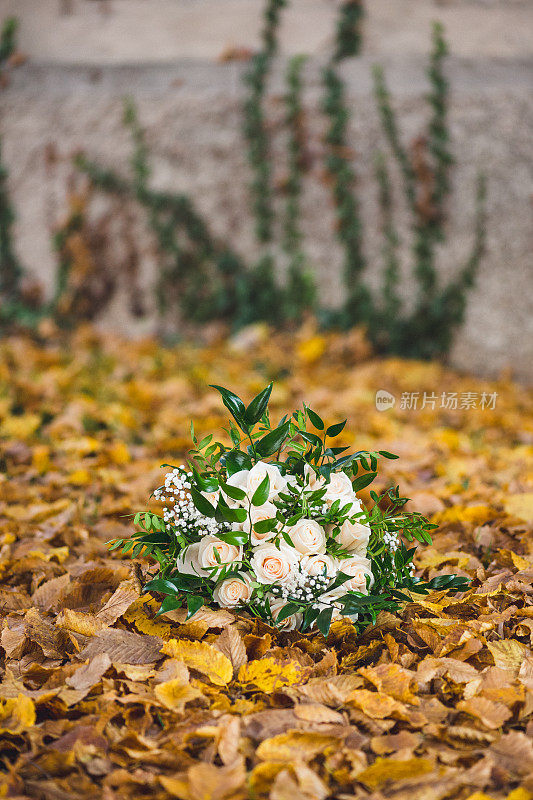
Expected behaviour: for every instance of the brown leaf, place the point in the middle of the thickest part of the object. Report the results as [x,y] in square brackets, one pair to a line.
[230,643]
[124,647]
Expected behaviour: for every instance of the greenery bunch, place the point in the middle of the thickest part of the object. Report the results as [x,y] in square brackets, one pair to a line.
[271,524]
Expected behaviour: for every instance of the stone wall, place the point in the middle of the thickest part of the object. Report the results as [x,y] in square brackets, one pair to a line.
[164,53]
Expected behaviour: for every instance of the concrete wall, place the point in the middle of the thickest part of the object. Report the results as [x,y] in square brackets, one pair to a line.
[165,53]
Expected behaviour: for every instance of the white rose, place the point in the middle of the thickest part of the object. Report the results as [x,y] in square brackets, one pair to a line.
[233,591]
[289,623]
[357,567]
[272,564]
[319,565]
[188,563]
[340,488]
[258,514]
[211,545]
[257,475]
[354,537]
[308,537]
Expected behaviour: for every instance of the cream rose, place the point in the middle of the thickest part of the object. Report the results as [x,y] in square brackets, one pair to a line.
[319,565]
[290,623]
[358,568]
[259,514]
[257,475]
[354,537]
[249,480]
[211,545]
[340,488]
[272,564]
[233,591]
[308,537]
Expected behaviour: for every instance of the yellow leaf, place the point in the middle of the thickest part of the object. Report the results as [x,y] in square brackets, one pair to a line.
[310,350]
[137,615]
[16,714]
[175,694]
[386,770]
[80,477]
[520,793]
[520,505]
[119,453]
[295,746]
[20,427]
[201,657]
[78,622]
[376,704]
[41,458]
[509,654]
[267,674]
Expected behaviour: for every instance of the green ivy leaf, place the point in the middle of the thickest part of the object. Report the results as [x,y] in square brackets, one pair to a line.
[202,504]
[260,496]
[363,480]
[234,405]
[258,406]
[273,440]
[323,621]
[317,421]
[287,611]
[194,602]
[334,430]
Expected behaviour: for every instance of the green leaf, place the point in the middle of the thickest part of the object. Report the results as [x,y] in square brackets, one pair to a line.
[334,430]
[234,537]
[323,621]
[194,602]
[258,406]
[309,617]
[202,504]
[235,460]
[169,604]
[386,454]
[265,525]
[363,480]
[287,611]
[161,585]
[273,440]
[224,513]
[317,421]
[260,496]
[233,403]
[232,491]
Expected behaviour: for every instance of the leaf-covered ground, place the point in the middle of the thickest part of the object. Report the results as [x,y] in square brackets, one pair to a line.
[98,699]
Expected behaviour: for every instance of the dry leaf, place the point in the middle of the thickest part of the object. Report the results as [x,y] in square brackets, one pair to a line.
[202,657]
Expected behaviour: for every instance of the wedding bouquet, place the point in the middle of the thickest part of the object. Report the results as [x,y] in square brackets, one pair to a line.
[272,526]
